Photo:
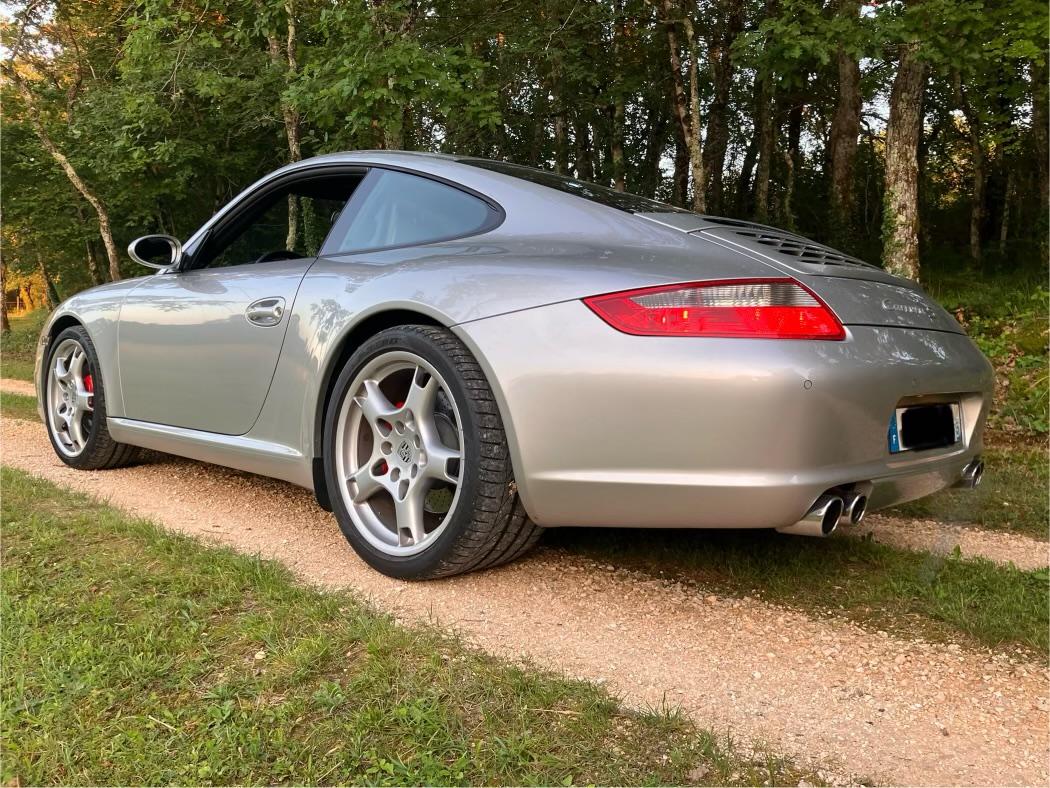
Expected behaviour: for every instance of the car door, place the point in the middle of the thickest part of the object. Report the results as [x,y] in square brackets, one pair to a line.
[198,347]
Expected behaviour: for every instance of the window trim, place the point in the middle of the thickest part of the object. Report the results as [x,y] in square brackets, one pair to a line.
[502,166]
[497,215]
[237,211]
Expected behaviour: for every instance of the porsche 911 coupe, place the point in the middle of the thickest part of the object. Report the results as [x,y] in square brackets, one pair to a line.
[456,353]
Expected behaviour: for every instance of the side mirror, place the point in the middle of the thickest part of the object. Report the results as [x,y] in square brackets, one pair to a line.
[156,251]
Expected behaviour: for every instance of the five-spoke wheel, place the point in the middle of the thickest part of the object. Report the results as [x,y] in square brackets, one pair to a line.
[75,404]
[70,397]
[399,452]
[417,464]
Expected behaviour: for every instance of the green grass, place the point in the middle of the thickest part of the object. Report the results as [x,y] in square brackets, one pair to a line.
[1006,314]
[16,367]
[18,406]
[132,656]
[880,587]
[1012,497]
[988,294]
[25,331]
[18,346]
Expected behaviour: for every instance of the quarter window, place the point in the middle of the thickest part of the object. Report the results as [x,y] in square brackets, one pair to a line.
[399,209]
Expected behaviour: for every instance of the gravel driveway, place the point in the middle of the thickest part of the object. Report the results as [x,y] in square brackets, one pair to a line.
[867,705]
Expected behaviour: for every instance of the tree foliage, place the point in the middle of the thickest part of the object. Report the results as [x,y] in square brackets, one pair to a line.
[165,109]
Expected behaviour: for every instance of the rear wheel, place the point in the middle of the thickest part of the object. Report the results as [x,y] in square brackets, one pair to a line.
[417,462]
[75,405]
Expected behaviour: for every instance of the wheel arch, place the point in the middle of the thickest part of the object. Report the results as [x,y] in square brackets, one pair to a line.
[54,326]
[352,339]
[63,322]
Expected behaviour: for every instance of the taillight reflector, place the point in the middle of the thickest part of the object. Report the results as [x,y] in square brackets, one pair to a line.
[753,308]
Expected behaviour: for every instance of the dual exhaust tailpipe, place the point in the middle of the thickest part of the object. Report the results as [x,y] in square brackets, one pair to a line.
[972,474]
[832,509]
[828,513]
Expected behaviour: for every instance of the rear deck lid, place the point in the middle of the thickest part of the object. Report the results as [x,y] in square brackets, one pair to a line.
[859,293]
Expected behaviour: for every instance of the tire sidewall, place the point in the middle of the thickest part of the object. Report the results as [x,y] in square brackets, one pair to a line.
[98,400]
[423,563]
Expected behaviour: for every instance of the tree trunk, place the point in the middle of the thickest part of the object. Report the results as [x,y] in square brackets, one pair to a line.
[686,111]
[743,185]
[25,296]
[292,122]
[94,269]
[1008,198]
[845,129]
[720,63]
[977,162]
[561,137]
[977,200]
[104,227]
[51,296]
[696,159]
[785,213]
[5,322]
[391,136]
[792,164]
[649,175]
[680,182]
[539,128]
[619,173]
[584,160]
[1040,132]
[616,116]
[561,145]
[678,99]
[901,216]
[764,128]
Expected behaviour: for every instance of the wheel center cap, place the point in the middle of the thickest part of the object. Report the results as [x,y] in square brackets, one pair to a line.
[404,451]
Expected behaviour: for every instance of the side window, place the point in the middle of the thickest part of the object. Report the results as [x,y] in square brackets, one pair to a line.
[266,232]
[288,223]
[400,209]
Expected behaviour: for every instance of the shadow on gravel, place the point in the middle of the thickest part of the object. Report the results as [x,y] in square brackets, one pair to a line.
[760,561]
[943,597]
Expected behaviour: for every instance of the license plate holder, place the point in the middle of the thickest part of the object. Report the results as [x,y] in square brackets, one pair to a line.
[928,426]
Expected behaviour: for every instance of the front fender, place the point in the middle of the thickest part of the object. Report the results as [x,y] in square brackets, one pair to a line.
[98,311]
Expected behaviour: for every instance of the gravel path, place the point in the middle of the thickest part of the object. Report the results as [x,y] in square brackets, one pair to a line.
[942,538]
[930,535]
[871,705]
[12,386]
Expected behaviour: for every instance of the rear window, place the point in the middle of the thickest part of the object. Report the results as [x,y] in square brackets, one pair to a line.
[588,191]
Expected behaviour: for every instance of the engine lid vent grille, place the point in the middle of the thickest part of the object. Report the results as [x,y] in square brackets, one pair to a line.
[799,248]
[789,251]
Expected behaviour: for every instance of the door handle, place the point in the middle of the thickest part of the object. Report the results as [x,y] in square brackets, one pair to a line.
[265,311]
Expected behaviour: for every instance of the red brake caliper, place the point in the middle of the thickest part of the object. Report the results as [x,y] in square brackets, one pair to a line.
[89,384]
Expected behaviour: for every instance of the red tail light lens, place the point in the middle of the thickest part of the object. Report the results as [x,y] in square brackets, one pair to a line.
[753,308]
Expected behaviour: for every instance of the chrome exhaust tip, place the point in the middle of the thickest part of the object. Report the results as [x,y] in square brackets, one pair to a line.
[821,520]
[854,507]
[972,475]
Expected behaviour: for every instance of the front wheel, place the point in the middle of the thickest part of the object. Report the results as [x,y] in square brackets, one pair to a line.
[75,405]
[417,462]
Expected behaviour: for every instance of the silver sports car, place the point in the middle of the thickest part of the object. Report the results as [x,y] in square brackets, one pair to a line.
[455,353]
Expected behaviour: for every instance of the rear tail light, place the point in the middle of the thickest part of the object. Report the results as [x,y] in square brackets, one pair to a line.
[754,308]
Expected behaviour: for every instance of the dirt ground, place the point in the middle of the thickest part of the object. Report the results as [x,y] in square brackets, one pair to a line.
[866,705]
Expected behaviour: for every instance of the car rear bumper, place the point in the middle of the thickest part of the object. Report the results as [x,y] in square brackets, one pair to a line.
[608,429]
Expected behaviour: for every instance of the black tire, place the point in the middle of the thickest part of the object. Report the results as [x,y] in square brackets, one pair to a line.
[100,450]
[488,526]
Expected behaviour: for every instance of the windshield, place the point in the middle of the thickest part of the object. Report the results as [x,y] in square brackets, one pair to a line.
[589,191]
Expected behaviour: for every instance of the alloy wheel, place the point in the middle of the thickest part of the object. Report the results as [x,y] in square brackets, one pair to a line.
[399,453]
[70,397]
